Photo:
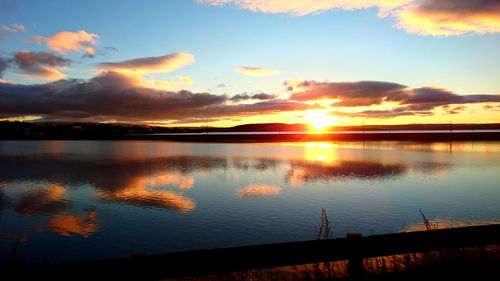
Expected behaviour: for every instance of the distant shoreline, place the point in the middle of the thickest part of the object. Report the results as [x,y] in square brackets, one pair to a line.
[239,137]
[269,132]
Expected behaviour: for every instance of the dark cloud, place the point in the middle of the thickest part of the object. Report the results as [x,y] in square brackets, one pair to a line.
[362,93]
[460,6]
[263,96]
[27,59]
[418,101]
[110,95]
[427,98]
[41,64]
[383,114]
[450,17]
[245,96]
[115,96]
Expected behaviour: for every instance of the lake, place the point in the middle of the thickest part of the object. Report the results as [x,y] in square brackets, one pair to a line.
[83,200]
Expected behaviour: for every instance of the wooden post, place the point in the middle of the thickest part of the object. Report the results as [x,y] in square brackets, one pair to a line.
[355,261]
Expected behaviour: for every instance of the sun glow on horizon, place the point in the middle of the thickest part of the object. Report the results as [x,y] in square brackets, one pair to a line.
[319,121]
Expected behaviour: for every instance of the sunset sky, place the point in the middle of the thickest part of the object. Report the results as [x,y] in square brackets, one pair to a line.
[231,62]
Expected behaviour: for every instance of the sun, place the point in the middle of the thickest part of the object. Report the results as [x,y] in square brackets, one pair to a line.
[319,121]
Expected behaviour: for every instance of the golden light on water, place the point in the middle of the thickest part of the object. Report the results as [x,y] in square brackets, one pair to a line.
[320,152]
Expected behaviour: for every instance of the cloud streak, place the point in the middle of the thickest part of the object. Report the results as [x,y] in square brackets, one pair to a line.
[424,17]
[161,64]
[305,7]
[256,71]
[69,42]
[8,29]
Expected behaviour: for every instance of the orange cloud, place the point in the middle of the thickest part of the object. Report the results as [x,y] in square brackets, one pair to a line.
[67,42]
[161,64]
[69,224]
[259,190]
[450,17]
[306,7]
[256,71]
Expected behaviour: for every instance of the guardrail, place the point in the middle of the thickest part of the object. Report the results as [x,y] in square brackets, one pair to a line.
[201,262]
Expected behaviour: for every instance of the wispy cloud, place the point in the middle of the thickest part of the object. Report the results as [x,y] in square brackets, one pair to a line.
[68,41]
[450,17]
[305,7]
[14,27]
[256,71]
[7,29]
[424,17]
[161,64]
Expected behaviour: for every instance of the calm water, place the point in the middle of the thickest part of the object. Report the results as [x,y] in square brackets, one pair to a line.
[80,200]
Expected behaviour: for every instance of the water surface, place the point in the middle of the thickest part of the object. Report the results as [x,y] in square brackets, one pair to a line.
[82,200]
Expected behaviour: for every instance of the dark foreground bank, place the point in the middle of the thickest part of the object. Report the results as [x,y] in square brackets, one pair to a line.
[354,249]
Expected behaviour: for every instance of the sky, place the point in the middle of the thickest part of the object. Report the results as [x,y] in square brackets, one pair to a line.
[231,62]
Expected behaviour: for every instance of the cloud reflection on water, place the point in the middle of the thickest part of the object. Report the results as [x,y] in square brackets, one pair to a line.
[259,190]
[162,182]
[71,224]
[46,199]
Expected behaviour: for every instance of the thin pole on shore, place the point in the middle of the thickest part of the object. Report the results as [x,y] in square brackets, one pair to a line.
[451,138]
[363,135]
